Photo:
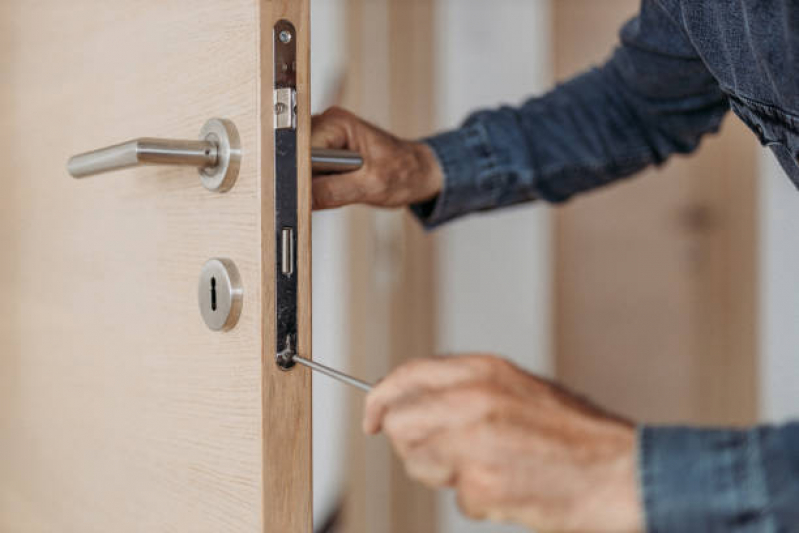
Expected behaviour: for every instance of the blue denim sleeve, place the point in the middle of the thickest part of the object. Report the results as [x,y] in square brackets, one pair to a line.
[736,481]
[653,98]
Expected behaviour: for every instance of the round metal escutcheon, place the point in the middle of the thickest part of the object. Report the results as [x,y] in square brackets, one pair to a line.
[223,134]
[220,294]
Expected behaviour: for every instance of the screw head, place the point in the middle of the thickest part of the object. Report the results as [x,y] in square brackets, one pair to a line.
[285,37]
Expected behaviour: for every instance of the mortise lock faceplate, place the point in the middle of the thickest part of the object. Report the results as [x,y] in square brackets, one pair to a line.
[286,230]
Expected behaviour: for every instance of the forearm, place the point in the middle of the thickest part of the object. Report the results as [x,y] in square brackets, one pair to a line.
[720,480]
[652,99]
[585,134]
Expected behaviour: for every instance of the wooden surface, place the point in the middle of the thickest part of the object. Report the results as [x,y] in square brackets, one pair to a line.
[372,245]
[390,82]
[655,295]
[119,409]
[412,98]
[288,488]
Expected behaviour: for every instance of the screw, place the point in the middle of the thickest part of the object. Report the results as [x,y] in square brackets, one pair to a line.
[285,358]
[285,37]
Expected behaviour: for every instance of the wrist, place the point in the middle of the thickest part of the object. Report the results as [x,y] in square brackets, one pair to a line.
[428,176]
[615,496]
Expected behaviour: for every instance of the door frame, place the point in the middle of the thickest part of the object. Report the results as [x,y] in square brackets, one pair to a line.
[286,395]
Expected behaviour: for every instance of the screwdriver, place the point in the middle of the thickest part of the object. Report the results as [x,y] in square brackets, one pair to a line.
[335,374]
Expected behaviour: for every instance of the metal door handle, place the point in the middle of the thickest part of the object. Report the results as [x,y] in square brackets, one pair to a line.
[326,161]
[217,155]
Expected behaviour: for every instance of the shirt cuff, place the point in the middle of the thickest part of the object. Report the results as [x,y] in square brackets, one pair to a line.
[703,480]
[477,176]
[461,154]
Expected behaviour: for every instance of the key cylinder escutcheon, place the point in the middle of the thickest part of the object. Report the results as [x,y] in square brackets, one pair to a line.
[220,294]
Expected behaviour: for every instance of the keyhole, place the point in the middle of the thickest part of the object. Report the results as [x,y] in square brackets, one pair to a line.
[213,294]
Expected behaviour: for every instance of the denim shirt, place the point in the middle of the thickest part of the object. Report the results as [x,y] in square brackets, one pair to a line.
[680,67]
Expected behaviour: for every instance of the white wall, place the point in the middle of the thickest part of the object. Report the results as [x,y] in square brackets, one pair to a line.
[493,269]
[330,340]
[779,286]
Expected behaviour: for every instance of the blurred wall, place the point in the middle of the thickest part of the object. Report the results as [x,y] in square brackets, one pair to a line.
[493,269]
[779,292]
[330,325]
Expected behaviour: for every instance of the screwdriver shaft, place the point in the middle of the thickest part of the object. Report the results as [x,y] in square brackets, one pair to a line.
[335,374]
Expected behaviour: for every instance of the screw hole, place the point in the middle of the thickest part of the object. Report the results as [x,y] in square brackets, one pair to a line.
[213,294]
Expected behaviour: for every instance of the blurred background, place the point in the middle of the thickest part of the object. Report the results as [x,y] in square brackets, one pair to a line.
[671,299]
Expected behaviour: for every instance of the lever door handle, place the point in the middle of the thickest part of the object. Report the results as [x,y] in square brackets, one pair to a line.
[217,155]
[327,161]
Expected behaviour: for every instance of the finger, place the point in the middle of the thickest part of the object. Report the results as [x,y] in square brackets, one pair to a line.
[328,192]
[443,459]
[408,380]
[474,494]
[431,464]
[430,472]
[414,377]
[482,494]
[481,489]
[411,421]
[329,135]
[331,129]
[448,459]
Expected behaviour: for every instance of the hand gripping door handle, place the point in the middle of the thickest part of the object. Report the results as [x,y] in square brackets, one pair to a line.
[327,161]
[217,156]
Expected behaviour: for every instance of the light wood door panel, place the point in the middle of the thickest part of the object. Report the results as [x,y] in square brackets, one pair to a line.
[119,409]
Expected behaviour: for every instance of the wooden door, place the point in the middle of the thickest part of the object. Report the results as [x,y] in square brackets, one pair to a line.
[119,409]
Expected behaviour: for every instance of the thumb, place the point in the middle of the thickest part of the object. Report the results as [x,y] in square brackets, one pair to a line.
[328,132]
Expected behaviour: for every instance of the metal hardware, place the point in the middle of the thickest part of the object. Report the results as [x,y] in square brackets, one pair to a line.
[220,294]
[285,109]
[288,358]
[141,152]
[287,259]
[326,161]
[223,175]
[286,183]
[285,357]
[333,373]
[217,155]
[286,178]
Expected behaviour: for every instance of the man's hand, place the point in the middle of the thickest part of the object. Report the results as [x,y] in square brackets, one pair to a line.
[515,447]
[395,173]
